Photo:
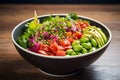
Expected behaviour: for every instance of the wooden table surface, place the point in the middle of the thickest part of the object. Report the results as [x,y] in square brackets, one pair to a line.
[14,67]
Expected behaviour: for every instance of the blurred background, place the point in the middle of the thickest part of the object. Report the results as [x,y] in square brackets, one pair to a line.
[63,1]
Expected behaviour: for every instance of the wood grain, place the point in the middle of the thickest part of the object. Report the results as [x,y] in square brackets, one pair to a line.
[14,67]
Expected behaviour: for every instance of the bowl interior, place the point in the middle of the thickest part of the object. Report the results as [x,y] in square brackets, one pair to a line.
[20,28]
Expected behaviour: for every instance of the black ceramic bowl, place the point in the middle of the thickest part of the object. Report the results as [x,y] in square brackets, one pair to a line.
[57,65]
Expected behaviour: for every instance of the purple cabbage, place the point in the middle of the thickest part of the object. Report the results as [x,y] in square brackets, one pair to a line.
[46,35]
[35,46]
[74,28]
[55,38]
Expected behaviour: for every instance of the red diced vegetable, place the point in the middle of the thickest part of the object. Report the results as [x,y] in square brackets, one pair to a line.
[78,34]
[68,34]
[84,25]
[64,42]
[54,47]
[42,52]
[60,53]
[70,39]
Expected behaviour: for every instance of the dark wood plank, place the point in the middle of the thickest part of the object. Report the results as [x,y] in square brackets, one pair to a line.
[14,67]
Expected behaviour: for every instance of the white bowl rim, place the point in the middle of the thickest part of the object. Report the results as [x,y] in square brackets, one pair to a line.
[61,57]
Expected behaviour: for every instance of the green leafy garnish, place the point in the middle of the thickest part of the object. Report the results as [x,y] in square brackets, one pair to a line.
[72,16]
[32,26]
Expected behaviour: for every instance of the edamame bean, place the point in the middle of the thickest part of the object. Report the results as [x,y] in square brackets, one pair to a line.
[69,51]
[78,52]
[77,48]
[75,43]
[73,53]
[87,45]
[84,50]
[84,40]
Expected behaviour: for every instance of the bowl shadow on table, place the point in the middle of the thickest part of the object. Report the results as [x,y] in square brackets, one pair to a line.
[21,69]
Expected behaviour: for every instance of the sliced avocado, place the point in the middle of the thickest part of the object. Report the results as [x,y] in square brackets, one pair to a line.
[102,41]
[101,33]
[87,35]
[97,34]
[96,37]
[94,32]
[93,42]
[94,29]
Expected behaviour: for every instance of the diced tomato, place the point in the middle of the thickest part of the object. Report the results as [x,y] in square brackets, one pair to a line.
[78,34]
[54,47]
[64,42]
[44,47]
[50,41]
[74,36]
[60,53]
[78,23]
[42,52]
[70,39]
[84,25]
[41,47]
[68,47]
[51,54]
[61,48]
[68,34]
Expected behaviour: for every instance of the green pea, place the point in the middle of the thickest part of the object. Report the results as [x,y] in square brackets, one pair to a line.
[69,51]
[94,42]
[77,48]
[87,45]
[84,50]
[92,49]
[75,43]
[73,53]
[84,40]
[78,52]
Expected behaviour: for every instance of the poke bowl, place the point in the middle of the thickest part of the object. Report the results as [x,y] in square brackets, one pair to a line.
[81,51]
